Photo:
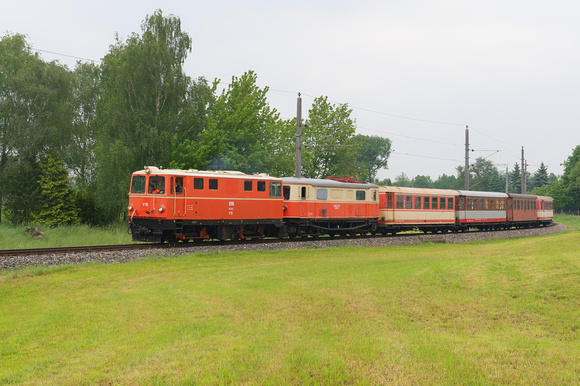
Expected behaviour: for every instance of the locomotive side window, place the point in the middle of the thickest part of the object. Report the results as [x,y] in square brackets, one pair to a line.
[138,184]
[286,192]
[275,189]
[213,184]
[261,186]
[389,201]
[360,195]
[178,185]
[156,185]
[248,186]
[303,193]
[321,194]
[426,202]
[198,183]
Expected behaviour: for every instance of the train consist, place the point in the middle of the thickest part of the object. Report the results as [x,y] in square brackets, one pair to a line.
[182,205]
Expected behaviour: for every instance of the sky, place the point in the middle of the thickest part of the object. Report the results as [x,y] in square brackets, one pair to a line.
[418,72]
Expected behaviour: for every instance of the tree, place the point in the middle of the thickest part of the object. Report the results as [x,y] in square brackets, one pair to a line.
[143,105]
[515,179]
[541,177]
[445,182]
[326,138]
[372,155]
[422,182]
[79,155]
[56,195]
[485,177]
[402,180]
[35,119]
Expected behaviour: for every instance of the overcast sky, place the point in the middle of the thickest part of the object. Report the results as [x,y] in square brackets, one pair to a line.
[416,72]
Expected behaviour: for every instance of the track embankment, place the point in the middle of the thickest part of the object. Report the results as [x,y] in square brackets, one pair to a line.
[13,260]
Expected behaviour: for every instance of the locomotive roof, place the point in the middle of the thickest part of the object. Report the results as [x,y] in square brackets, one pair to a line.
[326,183]
[418,191]
[204,173]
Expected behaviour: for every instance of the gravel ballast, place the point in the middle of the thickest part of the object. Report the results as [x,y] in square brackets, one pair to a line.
[16,262]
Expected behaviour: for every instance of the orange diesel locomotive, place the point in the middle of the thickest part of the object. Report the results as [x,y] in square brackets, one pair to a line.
[173,205]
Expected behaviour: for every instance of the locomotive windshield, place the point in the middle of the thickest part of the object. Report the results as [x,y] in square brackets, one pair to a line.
[138,184]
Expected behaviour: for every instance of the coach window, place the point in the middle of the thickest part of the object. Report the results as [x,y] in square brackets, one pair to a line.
[321,194]
[275,189]
[360,195]
[435,203]
[213,184]
[400,201]
[261,186]
[442,203]
[138,184]
[417,202]
[248,186]
[461,203]
[480,203]
[469,203]
[450,203]
[156,185]
[198,183]
[408,202]
[389,201]
[427,202]
[374,195]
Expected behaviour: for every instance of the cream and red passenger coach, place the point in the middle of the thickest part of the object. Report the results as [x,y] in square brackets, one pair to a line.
[172,205]
[315,207]
[429,210]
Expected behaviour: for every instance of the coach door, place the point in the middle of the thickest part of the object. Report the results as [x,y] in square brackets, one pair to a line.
[304,201]
[178,193]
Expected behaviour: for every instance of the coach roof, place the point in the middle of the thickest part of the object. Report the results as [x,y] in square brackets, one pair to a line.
[326,183]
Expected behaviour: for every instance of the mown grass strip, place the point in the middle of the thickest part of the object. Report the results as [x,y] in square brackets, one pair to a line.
[498,312]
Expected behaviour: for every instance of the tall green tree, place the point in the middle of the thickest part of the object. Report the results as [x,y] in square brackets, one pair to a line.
[372,154]
[79,156]
[56,194]
[35,116]
[326,138]
[515,179]
[541,177]
[143,105]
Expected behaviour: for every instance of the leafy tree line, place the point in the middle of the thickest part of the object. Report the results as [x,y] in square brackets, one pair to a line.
[70,139]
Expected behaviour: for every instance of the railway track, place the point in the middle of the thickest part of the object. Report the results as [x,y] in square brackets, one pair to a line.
[435,237]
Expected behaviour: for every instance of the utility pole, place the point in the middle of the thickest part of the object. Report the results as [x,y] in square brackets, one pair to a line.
[298,173]
[466,157]
[524,181]
[507,178]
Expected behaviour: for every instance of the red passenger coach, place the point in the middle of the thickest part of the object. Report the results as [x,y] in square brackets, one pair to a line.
[316,206]
[522,210]
[173,205]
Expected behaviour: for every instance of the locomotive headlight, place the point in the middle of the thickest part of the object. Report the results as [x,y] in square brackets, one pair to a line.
[130,207]
[161,209]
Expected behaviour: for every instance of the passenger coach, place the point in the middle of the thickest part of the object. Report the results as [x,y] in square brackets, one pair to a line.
[173,205]
[482,210]
[429,210]
[316,207]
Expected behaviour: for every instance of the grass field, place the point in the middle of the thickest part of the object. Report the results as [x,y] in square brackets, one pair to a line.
[500,312]
[15,237]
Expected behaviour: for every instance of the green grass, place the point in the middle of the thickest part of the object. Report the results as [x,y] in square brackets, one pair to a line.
[15,237]
[488,313]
